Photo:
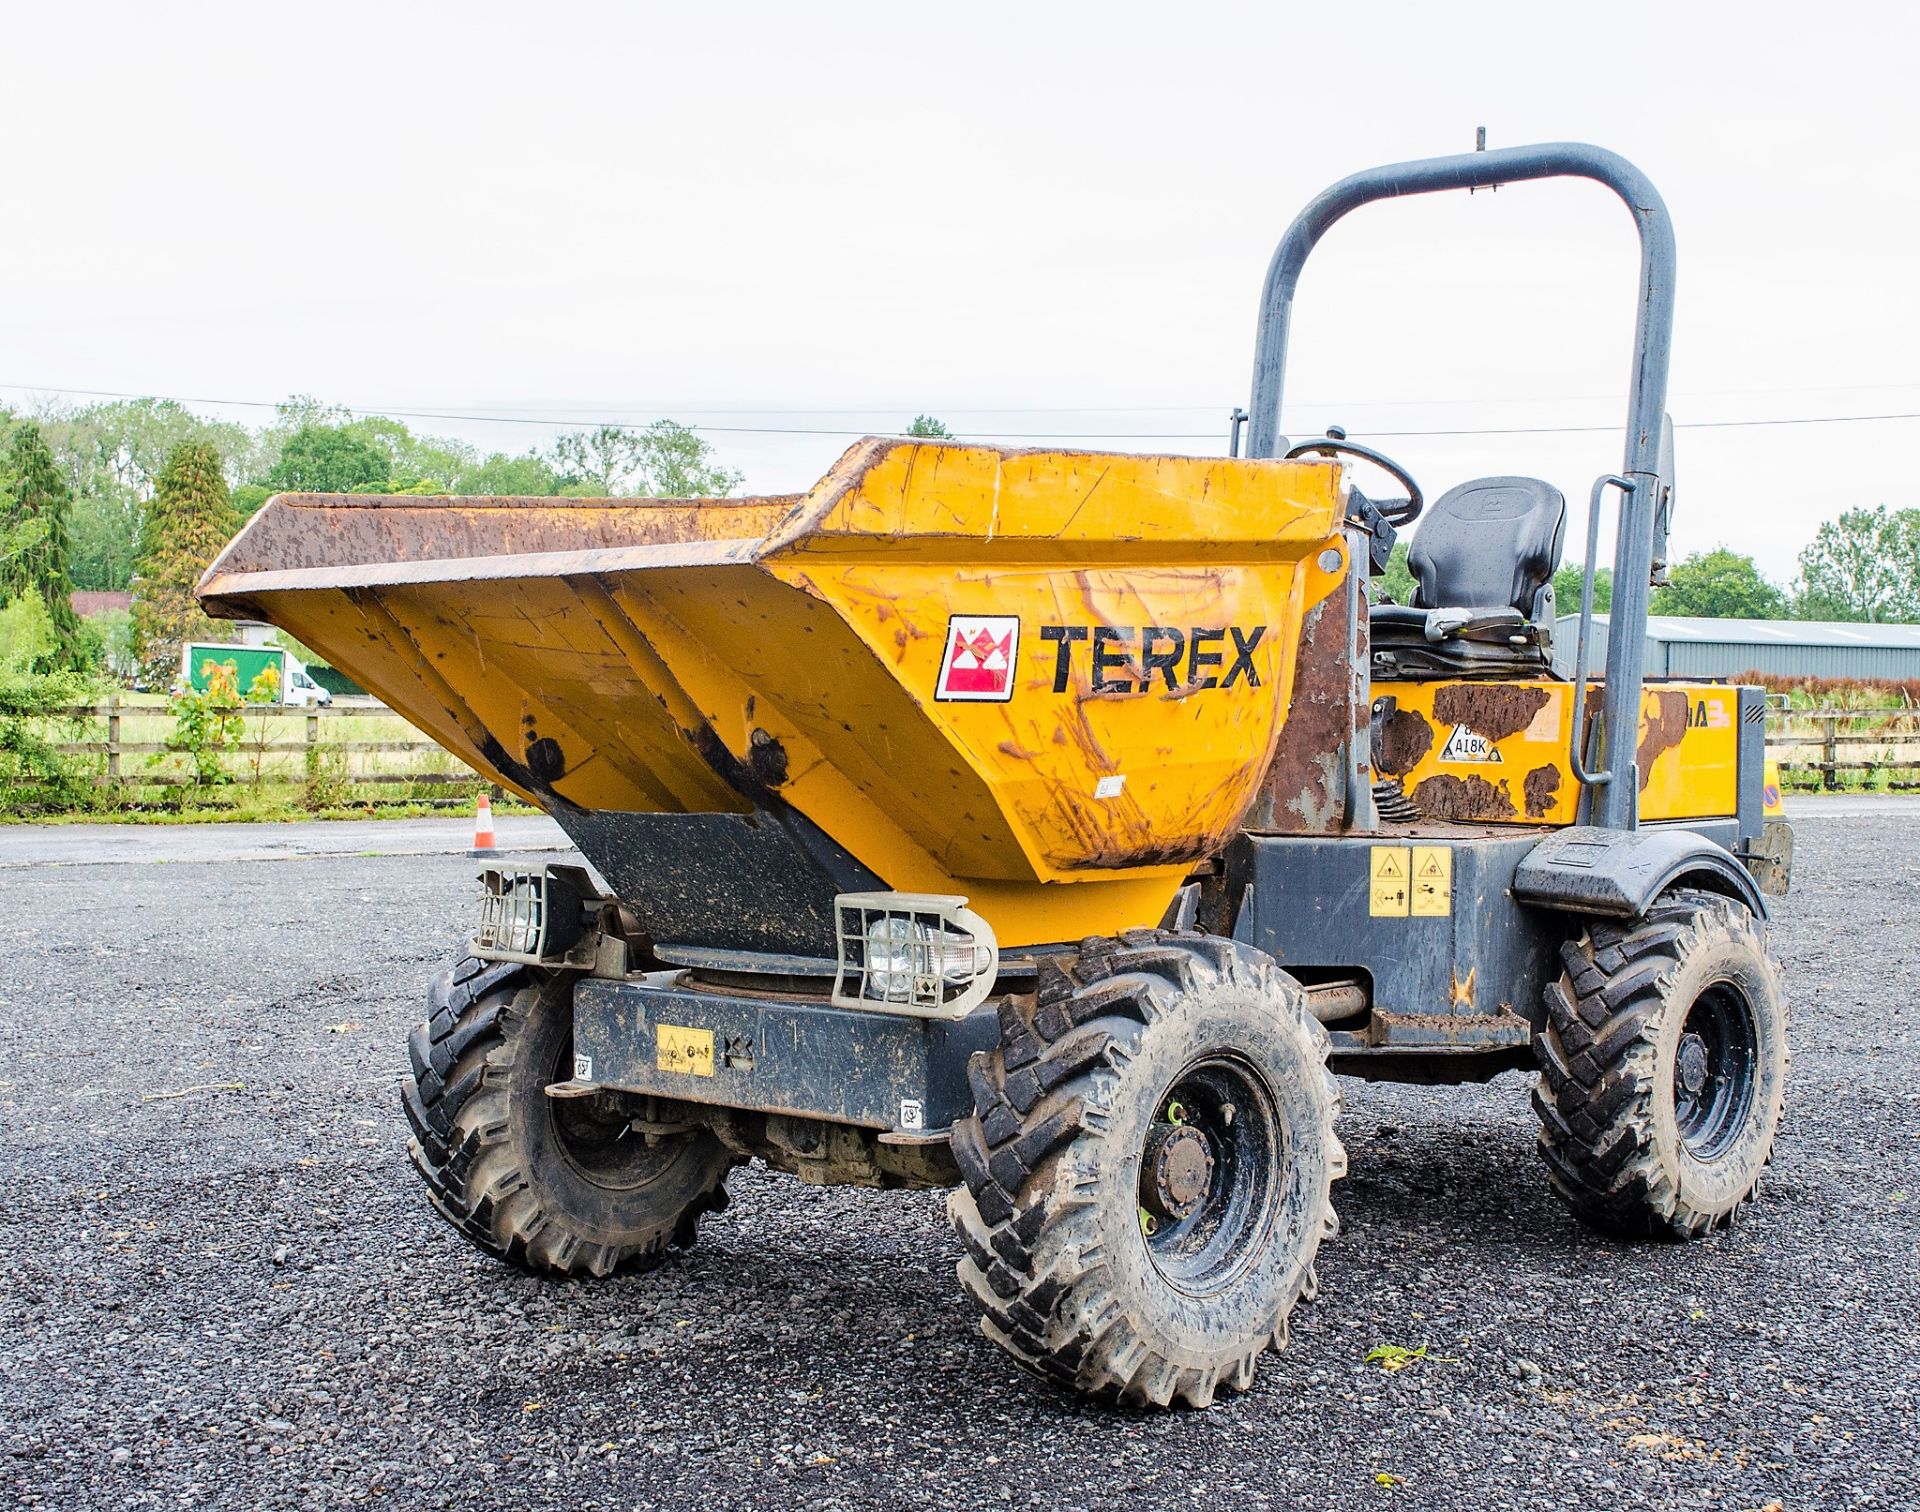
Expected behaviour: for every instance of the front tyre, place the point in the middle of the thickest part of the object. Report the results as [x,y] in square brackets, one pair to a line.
[1663,1068]
[561,1186]
[1147,1173]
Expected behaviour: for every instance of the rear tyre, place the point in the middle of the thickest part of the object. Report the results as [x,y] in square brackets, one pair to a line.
[1147,1173]
[558,1186]
[1663,1068]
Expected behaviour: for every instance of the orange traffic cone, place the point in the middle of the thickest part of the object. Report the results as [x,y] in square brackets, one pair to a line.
[483,843]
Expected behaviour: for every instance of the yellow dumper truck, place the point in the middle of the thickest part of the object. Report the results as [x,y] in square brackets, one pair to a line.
[1048,825]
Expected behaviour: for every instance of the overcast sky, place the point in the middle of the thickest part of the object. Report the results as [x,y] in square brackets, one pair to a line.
[1043,220]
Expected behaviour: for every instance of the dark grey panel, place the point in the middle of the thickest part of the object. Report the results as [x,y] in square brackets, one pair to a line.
[1750,769]
[841,1064]
[756,881]
[1310,910]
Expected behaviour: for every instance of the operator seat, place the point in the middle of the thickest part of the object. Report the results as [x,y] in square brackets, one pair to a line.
[1483,562]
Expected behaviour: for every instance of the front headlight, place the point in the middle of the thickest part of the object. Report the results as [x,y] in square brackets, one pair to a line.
[906,957]
[532,916]
[914,953]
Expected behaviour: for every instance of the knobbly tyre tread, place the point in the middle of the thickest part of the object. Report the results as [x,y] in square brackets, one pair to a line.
[1597,1080]
[457,1100]
[1049,1082]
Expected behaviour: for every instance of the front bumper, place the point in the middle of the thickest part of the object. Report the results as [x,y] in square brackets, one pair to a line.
[873,1069]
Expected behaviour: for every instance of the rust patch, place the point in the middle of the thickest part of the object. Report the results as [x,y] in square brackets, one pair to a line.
[1666,725]
[1404,739]
[1543,786]
[1495,710]
[1303,791]
[1463,798]
[1459,992]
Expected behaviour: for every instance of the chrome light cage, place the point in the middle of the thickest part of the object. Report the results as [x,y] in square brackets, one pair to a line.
[945,960]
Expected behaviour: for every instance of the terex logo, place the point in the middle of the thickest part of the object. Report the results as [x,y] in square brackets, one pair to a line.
[977,666]
[1179,659]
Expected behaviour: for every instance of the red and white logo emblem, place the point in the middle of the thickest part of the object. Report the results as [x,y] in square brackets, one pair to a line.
[978,664]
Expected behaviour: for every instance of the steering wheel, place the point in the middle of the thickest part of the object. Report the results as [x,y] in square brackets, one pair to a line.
[1398,512]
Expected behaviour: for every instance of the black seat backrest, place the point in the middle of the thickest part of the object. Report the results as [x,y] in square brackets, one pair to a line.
[1489,544]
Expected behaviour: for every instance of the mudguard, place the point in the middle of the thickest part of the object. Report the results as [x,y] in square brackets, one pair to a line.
[1618,873]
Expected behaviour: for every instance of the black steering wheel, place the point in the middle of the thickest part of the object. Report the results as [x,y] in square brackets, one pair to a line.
[1397,512]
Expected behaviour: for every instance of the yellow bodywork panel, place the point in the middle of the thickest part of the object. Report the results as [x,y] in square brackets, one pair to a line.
[1496,752]
[1049,681]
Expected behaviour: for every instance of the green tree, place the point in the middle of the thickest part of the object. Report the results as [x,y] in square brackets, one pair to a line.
[299,411]
[926,425]
[247,499]
[665,460]
[34,774]
[329,459]
[189,520]
[1719,584]
[106,536]
[292,415]
[531,476]
[1863,566]
[677,464]
[607,455]
[413,461]
[112,455]
[1395,585]
[1566,588]
[35,501]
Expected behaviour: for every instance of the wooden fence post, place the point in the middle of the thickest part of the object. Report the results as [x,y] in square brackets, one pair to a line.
[113,738]
[1830,750]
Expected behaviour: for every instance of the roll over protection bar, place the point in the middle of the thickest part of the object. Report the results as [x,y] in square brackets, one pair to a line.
[1615,801]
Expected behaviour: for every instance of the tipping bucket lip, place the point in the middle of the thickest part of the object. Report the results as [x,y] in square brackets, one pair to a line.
[796,654]
[301,541]
[220,587]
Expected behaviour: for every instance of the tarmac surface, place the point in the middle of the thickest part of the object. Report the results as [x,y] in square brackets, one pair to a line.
[221,1284]
[130,844]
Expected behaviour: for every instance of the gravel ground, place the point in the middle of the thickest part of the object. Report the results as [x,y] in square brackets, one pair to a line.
[221,1285]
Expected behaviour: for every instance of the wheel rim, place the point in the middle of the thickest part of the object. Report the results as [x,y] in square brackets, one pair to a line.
[1211,1166]
[1713,1070]
[595,1136]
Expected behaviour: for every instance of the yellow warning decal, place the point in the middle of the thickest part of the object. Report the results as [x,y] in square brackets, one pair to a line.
[688,1051]
[1387,891]
[1432,881]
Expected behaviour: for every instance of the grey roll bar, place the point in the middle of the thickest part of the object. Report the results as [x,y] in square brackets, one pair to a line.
[1615,800]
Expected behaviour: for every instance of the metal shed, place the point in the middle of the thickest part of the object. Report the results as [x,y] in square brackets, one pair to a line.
[1683,646]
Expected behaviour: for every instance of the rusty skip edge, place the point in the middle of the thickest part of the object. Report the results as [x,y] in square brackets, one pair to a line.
[369,532]
[223,593]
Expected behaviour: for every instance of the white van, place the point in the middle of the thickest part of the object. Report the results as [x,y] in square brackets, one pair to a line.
[302,692]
